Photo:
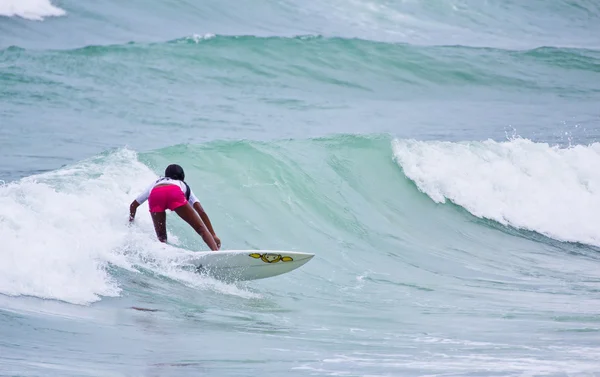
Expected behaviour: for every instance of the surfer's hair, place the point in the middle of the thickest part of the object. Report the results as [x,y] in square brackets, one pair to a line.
[175,171]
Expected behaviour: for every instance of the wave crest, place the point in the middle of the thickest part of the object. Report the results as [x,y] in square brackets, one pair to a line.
[533,186]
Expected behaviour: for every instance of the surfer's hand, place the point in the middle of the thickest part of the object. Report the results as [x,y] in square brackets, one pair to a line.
[132,210]
[217,241]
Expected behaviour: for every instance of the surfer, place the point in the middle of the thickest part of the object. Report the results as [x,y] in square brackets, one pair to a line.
[171,192]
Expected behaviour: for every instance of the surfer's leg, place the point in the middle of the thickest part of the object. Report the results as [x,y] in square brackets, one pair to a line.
[187,213]
[160,225]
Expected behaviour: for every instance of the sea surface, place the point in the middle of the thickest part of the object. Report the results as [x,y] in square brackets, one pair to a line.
[440,158]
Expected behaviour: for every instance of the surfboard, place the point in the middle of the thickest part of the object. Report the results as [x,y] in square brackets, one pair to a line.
[248,264]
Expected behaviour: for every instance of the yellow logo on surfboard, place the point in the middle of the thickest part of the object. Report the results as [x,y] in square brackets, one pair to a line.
[271,258]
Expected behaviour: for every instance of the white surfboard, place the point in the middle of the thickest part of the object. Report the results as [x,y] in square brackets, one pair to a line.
[248,264]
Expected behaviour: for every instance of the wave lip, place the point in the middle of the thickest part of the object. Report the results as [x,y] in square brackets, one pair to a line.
[531,186]
[34,10]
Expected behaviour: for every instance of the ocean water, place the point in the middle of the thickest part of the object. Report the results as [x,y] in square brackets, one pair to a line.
[440,159]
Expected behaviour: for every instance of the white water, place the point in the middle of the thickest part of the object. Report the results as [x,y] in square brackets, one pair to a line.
[527,185]
[30,9]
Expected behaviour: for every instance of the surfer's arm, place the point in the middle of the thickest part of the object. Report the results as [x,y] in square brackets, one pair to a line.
[133,209]
[138,202]
[204,216]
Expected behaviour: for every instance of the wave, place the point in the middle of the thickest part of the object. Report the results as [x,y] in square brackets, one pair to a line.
[34,10]
[533,186]
[65,234]
[563,23]
[352,63]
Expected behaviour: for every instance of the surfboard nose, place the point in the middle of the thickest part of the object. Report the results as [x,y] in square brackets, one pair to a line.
[304,256]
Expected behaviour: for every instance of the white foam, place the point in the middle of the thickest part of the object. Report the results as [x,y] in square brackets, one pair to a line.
[59,232]
[30,9]
[553,191]
[197,38]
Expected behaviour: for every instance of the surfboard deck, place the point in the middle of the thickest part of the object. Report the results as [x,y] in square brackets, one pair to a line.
[248,264]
